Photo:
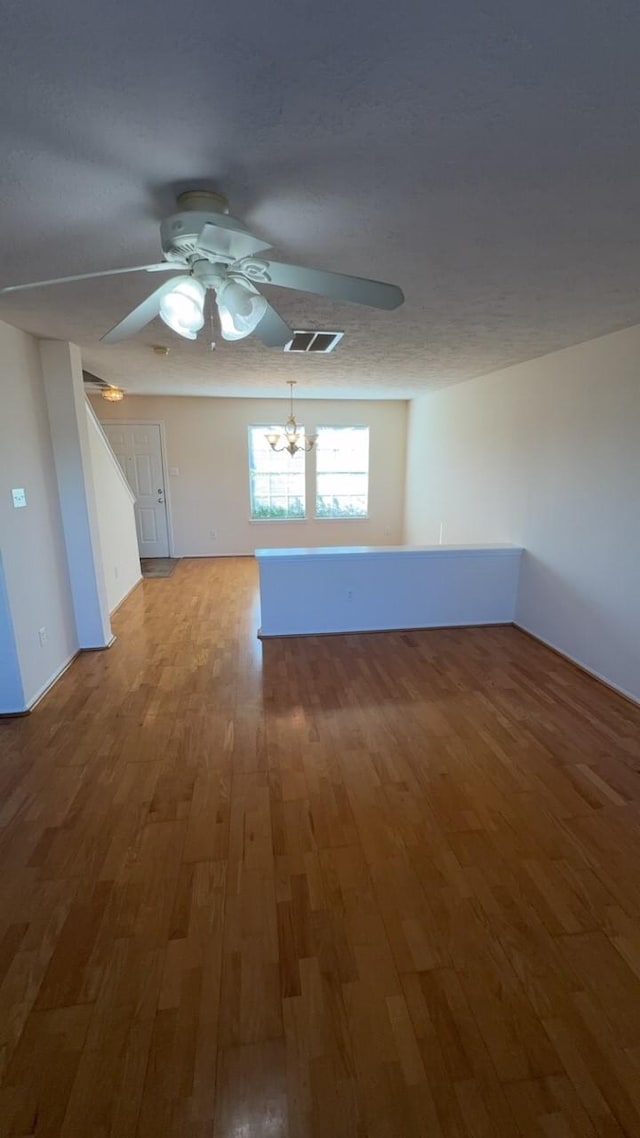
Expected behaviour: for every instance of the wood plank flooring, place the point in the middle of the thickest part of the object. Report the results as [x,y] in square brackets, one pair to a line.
[376,886]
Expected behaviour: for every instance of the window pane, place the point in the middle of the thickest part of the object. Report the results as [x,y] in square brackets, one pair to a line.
[276,479]
[342,472]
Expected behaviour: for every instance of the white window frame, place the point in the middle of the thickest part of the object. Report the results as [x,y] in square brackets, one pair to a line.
[268,428]
[342,427]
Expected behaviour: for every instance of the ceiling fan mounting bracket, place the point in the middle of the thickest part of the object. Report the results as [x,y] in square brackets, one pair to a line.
[202,201]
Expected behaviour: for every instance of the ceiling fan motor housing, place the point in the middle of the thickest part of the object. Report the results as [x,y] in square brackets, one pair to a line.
[195,234]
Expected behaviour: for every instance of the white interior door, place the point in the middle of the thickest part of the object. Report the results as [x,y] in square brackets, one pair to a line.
[138,448]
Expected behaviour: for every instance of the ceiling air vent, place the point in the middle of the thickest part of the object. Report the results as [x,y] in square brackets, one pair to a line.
[314,341]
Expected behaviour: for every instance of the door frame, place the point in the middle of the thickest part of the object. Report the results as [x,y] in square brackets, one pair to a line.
[163,458]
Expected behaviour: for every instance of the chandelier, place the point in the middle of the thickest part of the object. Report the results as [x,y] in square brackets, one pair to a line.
[290,437]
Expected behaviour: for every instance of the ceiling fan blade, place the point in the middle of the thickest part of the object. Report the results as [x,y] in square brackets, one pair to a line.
[143,314]
[358,290]
[273,330]
[228,238]
[165,266]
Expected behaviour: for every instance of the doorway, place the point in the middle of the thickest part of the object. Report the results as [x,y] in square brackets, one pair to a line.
[138,448]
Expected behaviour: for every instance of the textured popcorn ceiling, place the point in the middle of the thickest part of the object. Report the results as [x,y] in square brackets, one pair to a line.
[484,156]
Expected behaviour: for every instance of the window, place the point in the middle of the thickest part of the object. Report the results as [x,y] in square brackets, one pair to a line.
[276,480]
[342,472]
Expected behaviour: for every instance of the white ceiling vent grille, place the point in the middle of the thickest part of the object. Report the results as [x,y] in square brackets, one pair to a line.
[322,342]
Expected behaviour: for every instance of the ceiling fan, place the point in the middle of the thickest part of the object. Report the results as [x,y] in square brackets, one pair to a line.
[215,253]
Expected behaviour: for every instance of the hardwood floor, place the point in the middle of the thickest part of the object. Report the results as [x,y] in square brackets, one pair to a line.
[338,887]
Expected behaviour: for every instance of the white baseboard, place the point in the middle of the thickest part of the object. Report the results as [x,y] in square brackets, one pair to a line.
[127,594]
[578,663]
[99,647]
[53,679]
[40,694]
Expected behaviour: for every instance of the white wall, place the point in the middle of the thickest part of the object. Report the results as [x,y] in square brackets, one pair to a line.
[547,455]
[116,520]
[31,540]
[207,442]
[11,690]
[305,592]
[67,411]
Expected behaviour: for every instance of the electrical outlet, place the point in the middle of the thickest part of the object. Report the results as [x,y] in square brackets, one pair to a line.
[19,499]
[42,636]
[213,534]
[349,594]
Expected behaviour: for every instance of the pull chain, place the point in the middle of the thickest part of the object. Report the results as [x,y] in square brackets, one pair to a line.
[212,343]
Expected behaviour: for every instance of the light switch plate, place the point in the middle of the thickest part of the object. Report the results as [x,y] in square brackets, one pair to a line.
[174,471]
[19,499]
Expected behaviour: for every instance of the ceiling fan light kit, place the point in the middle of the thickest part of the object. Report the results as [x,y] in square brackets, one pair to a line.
[240,310]
[182,307]
[216,252]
